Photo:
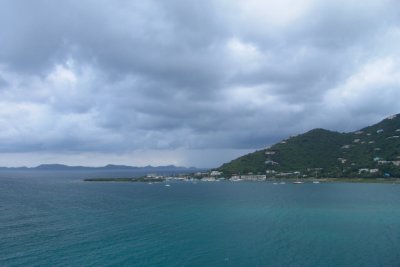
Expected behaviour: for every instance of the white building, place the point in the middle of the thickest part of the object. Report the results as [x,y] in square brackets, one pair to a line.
[215,173]
[208,179]
[253,177]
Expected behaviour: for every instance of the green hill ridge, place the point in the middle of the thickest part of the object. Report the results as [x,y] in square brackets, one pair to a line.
[373,151]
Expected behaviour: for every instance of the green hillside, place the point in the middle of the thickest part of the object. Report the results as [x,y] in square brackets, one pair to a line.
[370,152]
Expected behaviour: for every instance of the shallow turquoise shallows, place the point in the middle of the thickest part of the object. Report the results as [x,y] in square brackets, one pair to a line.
[67,222]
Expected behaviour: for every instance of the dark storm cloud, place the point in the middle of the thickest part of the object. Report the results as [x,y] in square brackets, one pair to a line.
[125,75]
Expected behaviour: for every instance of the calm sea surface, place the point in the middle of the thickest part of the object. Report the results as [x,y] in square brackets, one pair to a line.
[56,220]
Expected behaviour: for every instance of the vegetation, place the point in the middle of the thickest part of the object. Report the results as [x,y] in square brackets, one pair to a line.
[254,162]
[371,152]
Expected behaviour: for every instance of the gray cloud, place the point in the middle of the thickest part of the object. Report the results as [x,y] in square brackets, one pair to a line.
[101,77]
[3,83]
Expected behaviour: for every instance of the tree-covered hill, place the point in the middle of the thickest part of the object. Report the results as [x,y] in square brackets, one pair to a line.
[373,151]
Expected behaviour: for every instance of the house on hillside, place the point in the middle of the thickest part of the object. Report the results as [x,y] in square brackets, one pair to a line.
[365,170]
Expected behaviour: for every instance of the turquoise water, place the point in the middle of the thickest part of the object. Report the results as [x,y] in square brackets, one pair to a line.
[66,222]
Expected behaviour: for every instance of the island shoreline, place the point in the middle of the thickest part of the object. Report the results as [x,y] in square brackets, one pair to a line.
[320,180]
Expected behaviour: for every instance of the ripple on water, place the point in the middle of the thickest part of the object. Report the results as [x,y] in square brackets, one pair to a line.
[205,224]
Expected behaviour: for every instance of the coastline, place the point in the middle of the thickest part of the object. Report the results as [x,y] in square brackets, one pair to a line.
[321,180]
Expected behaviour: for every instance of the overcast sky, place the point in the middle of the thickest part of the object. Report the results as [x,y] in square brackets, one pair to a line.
[190,83]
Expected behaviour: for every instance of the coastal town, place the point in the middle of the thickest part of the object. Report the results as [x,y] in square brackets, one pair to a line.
[210,176]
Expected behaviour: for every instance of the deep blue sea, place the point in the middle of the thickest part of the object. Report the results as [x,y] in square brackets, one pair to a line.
[59,220]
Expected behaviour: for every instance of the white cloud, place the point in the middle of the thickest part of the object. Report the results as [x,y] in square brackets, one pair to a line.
[245,56]
[272,15]
[375,83]
[62,75]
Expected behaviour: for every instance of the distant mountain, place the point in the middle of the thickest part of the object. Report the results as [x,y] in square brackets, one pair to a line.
[373,151]
[110,167]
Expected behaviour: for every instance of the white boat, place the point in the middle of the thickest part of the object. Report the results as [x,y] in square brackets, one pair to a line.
[282,183]
[315,182]
[298,182]
[275,183]
[167,185]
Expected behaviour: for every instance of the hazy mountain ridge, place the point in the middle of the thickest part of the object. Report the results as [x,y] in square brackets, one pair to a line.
[373,151]
[109,167]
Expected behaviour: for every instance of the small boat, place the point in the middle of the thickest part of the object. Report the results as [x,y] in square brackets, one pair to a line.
[298,182]
[167,185]
[315,182]
[282,183]
[275,183]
